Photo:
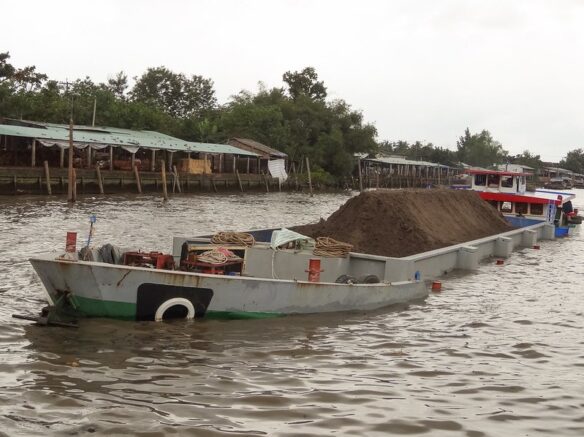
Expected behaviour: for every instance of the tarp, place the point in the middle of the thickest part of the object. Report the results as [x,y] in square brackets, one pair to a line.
[285,236]
[277,169]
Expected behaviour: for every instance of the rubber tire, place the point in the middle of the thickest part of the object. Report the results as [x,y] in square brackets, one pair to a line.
[369,279]
[346,279]
[159,316]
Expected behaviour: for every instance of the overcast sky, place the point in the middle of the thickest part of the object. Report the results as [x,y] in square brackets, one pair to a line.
[419,70]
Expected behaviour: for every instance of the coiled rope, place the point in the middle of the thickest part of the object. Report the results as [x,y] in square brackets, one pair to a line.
[241,238]
[219,255]
[329,247]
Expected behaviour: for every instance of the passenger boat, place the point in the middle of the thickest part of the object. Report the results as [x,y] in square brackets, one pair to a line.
[267,278]
[507,192]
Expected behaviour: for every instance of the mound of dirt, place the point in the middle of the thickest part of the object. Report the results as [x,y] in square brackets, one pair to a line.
[399,223]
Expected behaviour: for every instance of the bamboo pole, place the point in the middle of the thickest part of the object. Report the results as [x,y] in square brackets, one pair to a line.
[99,179]
[47,177]
[70,194]
[163,173]
[239,180]
[309,176]
[177,179]
[137,176]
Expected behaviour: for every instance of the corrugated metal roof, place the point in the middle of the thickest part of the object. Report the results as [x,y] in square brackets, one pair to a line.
[118,137]
[402,161]
[259,146]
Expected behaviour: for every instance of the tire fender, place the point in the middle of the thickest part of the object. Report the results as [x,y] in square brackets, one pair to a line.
[173,302]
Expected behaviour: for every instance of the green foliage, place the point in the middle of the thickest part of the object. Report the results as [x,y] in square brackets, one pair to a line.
[480,150]
[574,161]
[304,83]
[174,93]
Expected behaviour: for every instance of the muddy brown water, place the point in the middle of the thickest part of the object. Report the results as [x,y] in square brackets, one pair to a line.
[498,353]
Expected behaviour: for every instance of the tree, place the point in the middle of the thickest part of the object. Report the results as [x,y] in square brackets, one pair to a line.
[574,161]
[304,83]
[118,85]
[480,149]
[174,93]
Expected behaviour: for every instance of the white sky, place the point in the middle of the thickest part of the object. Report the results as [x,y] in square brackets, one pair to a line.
[418,69]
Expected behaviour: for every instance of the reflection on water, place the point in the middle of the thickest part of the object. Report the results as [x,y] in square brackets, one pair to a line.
[498,352]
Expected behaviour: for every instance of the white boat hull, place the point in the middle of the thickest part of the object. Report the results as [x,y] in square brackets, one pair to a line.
[107,290]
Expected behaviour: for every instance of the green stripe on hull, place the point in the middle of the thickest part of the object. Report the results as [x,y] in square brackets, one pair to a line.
[87,307]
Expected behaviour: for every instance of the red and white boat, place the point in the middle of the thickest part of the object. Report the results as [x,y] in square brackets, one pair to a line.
[507,192]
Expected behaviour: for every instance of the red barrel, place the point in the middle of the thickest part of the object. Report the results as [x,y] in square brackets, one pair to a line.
[436,286]
[71,242]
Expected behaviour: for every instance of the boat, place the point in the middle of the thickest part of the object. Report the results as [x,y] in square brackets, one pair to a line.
[507,192]
[273,272]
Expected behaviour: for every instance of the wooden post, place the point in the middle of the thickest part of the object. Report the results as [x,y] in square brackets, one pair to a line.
[259,165]
[177,178]
[74,185]
[266,182]
[360,176]
[239,181]
[153,163]
[170,155]
[247,166]
[111,153]
[61,157]
[164,189]
[99,179]
[71,194]
[133,159]
[221,161]
[213,183]
[137,175]
[309,176]
[234,163]
[88,156]
[33,154]
[47,177]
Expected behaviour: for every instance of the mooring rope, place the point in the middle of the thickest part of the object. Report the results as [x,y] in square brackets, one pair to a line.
[219,255]
[241,238]
[329,247]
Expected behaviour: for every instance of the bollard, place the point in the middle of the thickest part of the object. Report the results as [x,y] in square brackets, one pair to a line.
[314,270]
[71,242]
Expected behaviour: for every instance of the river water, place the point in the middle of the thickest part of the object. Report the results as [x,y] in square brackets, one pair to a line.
[499,352]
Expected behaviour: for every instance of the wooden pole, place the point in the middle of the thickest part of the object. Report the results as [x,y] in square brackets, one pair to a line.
[177,178]
[47,177]
[360,176]
[137,176]
[99,179]
[70,191]
[309,176]
[61,157]
[111,153]
[33,155]
[239,181]
[164,189]
[88,156]
[234,163]
[153,163]
[247,166]
[74,185]
[133,160]
[266,182]
[94,110]
[221,159]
